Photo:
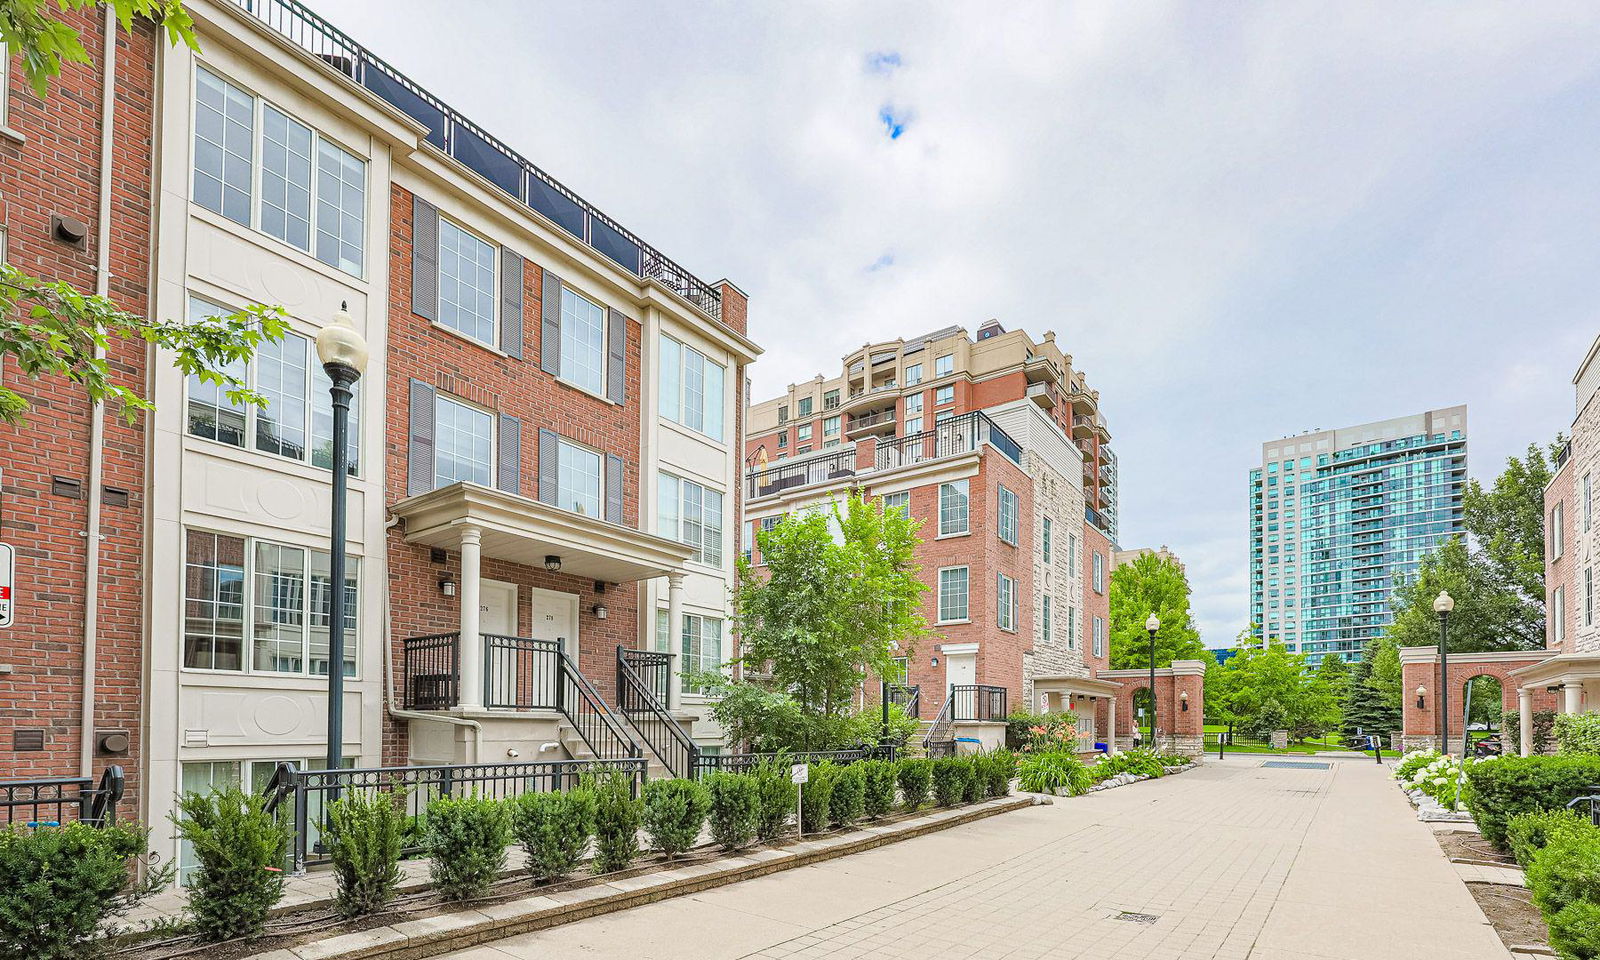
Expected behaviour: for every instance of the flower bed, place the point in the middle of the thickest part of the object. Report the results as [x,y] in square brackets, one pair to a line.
[1433,783]
[1064,774]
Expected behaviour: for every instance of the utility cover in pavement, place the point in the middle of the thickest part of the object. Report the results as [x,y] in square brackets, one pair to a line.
[1145,918]
[1295,765]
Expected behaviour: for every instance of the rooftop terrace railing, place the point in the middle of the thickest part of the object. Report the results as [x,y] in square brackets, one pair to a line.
[481,151]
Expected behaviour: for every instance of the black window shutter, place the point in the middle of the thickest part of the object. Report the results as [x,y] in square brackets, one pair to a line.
[550,326]
[419,456]
[511,303]
[549,467]
[614,478]
[617,359]
[424,259]
[508,471]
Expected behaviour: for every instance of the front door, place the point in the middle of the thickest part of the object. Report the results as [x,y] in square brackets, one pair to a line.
[497,624]
[961,669]
[555,617]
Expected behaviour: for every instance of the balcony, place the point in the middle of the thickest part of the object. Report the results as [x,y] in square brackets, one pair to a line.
[483,153]
[1045,395]
[958,435]
[881,422]
[785,474]
[866,399]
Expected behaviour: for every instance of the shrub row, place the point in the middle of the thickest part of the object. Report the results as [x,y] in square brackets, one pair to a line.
[1561,852]
[1066,773]
[1500,789]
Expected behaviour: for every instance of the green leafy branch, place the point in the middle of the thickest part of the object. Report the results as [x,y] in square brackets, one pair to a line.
[28,30]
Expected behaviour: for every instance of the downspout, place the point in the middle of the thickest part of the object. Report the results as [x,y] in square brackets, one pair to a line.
[97,431]
[397,712]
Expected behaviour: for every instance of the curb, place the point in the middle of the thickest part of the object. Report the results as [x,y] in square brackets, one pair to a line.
[429,936]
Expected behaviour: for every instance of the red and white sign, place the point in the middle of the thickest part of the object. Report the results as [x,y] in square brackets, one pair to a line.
[8,569]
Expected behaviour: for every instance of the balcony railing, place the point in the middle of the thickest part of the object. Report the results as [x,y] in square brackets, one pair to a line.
[781,475]
[953,437]
[643,680]
[977,701]
[480,151]
[51,801]
[870,420]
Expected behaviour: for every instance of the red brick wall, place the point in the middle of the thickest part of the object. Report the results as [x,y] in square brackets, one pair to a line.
[1424,721]
[422,350]
[1095,604]
[56,171]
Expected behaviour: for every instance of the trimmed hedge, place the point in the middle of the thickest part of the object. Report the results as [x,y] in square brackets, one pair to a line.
[1578,733]
[878,799]
[915,776]
[735,809]
[62,883]
[1528,833]
[466,844]
[950,776]
[673,811]
[1499,789]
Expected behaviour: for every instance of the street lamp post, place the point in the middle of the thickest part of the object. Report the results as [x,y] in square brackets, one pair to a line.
[1152,625]
[1442,605]
[343,353]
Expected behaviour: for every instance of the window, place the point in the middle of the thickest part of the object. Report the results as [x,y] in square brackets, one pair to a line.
[914,403]
[691,514]
[829,443]
[1588,503]
[1558,533]
[1044,617]
[914,374]
[1099,637]
[898,501]
[1005,602]
[691,389]
[913,426]
[1044,540]
[783,413]
[466,283]
[952,508]
[952,594]
[830,400]
[1072,628]
[578,475]
[312,193]
[942,416]
[1099,572]
[945,394]
[830,426]
[747,540]
[802,433]
[1008,516]
[583,342]
[284,614]
[702,644]
[1072,555]
[1558,614]
[802,451]
[1588,596]
[804,407]
[944,366]
[463,444]
[783,439]
[297,420]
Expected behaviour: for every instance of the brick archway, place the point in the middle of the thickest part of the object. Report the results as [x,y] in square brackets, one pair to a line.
[1419,668]
[1178,729]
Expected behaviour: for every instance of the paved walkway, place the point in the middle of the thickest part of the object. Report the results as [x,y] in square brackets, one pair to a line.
[1233,861]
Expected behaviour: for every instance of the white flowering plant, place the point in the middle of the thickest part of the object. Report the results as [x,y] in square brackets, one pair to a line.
[1438,776]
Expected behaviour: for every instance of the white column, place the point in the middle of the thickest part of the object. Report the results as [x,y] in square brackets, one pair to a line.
[675,639]
[1111,726]
[1572,697]
[1525,720]
[471,639]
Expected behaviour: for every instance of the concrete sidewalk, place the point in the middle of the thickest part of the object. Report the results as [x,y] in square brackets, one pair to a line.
[1235,861]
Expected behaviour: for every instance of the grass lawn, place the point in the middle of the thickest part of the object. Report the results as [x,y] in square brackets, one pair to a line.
[1330,742]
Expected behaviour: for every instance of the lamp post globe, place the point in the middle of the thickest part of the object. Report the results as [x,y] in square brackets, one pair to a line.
[1442,605]
[343,352]
[1151,625]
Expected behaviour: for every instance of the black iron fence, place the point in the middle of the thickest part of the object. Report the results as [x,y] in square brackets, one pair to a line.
[521,673]
[301,797]
[780,475]
[431,667]
[744,762]
[954,436]
[651,673]
[977,701]
[908,698]
[52,801]
[643,679]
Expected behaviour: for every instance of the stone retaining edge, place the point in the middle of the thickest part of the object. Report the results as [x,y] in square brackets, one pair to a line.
[430,936]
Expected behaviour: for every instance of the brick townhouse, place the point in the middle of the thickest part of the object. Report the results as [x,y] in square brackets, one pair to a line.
[544,447]
[996,444]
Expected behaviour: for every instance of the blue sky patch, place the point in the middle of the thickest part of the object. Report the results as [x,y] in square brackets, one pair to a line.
[882,263]
[894,121]
[883,61]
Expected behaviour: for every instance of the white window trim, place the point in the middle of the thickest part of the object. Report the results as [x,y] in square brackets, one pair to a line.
[1007,610]
[256,133]
[563,442]
[1002,493]
[966,529]
[683,350]
[495,320]
[722,515]
[1558,538]
[938,597]
[494,431]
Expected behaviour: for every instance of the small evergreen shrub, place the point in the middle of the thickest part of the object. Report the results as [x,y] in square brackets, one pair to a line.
[240,848]
[553,829]
[466,844]
[848,800]
[775,799]
[915,775]
[1528,833]
[1578,733]
[1054,773]
[950,775]
[1000,768]
[735,809]
[976,786]
[1575,931]
[673,811]
[61,884]
[365,834]
[816,795]
[878,788]
[1499,789]
[616,824]
[1565,872]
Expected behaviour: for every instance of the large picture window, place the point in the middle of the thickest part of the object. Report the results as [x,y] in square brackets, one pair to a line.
[583,342]
[256,606]
[296,422]
[691,388]
[692,514]
[953,594]
[261,168]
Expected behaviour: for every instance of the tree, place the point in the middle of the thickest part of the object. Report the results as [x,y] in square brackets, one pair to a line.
[837,600]
[1273,689]
[28,28]
[49,328]
[1372,699]
[1151,584]
[1507,521]
[1488,615]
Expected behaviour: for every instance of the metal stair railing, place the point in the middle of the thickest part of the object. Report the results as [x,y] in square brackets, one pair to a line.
[649,716]
[908,697]
[591,716]
[938,742]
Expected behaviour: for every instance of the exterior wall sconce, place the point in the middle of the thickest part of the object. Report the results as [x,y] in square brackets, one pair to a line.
[1183,701]
[447,586]
[933,662]
[1422,693]
[552,563]
[599,611]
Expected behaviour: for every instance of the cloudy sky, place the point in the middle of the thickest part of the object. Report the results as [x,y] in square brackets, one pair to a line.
[1242,221]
